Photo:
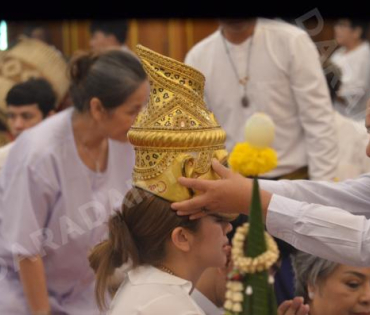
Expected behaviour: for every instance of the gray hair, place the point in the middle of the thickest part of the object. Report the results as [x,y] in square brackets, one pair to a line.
[309,269]
[111,76]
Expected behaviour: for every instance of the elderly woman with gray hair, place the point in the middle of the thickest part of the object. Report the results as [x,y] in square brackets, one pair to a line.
[331,288]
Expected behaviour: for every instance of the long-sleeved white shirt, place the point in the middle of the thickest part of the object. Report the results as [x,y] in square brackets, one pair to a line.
[286,81]
[326,219]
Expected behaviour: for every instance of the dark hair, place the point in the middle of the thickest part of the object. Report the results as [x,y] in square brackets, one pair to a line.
[111,76]
[364,25]
[118,28]
[354,23]
[137,233]
[33,91]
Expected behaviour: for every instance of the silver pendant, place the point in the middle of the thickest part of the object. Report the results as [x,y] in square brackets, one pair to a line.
[245,101]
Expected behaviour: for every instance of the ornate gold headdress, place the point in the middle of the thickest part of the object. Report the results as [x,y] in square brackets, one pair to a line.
[175,135]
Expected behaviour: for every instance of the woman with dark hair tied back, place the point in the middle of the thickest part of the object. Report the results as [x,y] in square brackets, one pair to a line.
[161,249]
[62,180]
[153,257]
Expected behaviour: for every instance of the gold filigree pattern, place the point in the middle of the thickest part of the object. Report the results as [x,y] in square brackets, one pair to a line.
[175,134]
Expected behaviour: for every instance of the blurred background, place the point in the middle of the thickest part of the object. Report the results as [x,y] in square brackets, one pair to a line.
[171,37]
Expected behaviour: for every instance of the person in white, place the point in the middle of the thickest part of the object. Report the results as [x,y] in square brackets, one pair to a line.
[171,258]
[352,141]
[274,67]
[326,219]
[61,181]
[353,58]
[164,255]
[352,137]
[28,103]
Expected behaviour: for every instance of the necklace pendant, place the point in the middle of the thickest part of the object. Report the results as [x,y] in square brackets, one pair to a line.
[245,101]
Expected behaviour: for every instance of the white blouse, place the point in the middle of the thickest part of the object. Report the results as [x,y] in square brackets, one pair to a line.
[150,291]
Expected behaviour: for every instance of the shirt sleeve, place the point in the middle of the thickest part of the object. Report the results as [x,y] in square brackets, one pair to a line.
[26,203]
[314,106]
[351,195]
[324,231]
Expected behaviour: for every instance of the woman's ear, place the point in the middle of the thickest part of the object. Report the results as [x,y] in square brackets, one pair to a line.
[311,291]
[182,239]
[97,109]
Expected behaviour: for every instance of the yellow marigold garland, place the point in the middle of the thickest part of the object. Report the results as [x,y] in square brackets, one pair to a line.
[252,161]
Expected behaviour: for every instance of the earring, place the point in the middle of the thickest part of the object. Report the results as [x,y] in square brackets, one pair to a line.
[311,295]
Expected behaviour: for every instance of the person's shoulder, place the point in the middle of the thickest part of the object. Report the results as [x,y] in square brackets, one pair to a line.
[365,47]
[47,136]
[153,298]
[281,27]
[205,44]
[338,53]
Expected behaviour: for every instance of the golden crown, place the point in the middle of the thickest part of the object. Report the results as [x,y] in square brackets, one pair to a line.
[175,134]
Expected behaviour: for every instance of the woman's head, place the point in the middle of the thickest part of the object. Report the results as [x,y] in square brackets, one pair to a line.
[146,230]
[331,288]
[112,87]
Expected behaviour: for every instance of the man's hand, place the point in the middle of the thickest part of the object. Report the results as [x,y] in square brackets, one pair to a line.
[230,194]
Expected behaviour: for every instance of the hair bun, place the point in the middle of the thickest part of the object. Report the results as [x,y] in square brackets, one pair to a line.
[80,65]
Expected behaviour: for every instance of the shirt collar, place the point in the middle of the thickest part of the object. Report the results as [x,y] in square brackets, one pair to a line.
[150,275]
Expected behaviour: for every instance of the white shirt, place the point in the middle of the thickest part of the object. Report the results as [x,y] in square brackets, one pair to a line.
[352,141]
[286,81]
[52,205]
[326,219]
[205,304]
[355,87]
[149,291]
[4,151]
